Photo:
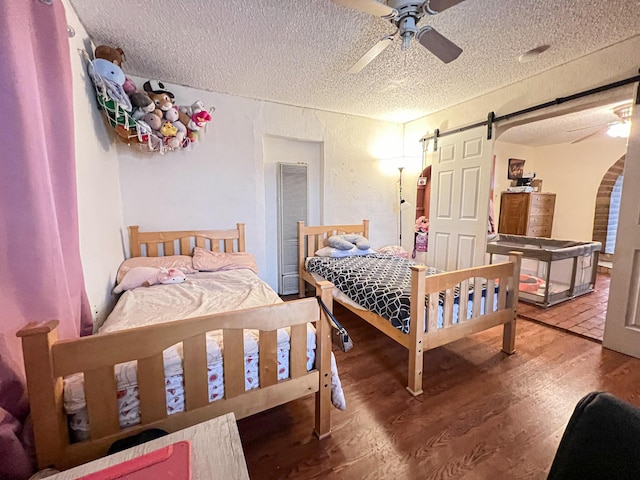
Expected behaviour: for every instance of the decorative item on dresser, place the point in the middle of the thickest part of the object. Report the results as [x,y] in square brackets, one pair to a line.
[529,213]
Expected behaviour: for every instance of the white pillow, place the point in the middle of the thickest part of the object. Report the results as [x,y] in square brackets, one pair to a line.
[337,253]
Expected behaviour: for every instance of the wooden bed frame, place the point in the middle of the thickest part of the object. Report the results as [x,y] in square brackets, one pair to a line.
[311,238]
[47,360]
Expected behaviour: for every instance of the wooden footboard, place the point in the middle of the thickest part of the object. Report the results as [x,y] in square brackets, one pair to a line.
[424,333]
[48,360]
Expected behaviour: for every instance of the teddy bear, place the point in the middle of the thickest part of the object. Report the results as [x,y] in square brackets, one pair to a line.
[113,55]
[162,102]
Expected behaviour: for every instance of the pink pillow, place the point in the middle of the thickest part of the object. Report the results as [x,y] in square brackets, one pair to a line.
[208,261]
[181,262]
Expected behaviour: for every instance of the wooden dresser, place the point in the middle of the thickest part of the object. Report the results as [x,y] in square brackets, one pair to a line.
[529,214]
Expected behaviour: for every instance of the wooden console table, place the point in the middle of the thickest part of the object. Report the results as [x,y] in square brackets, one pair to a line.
[216,452]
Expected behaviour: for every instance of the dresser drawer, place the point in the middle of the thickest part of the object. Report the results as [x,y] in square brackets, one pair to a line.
[540,231]
[543,201]
[541,210]
[540,221]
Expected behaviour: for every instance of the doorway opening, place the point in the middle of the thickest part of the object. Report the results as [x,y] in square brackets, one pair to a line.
[573,158]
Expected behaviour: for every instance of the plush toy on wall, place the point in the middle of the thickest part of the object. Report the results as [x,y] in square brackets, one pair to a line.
[147,118]
[113,55]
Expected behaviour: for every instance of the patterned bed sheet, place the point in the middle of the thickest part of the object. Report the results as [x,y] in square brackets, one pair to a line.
[382,284]
[202,294]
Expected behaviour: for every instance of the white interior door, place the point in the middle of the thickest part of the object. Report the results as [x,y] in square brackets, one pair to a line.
[622,328]
[459,210]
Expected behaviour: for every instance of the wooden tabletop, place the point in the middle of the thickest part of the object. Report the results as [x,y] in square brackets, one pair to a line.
[216,452]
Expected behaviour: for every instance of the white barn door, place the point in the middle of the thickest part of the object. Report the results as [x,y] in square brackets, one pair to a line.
[459,211]
[622,328]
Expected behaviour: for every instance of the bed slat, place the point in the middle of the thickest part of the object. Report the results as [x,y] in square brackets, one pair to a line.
[463,301]
[298,354]
[491,291]
[233,362]
[102,404]
[151,386]
[477,296]
[196,391]
[185,246]
[502,293]
[448,308]
[169,248]
[152,249]
[432,323]
[201,242]
[268,358]
[228,245]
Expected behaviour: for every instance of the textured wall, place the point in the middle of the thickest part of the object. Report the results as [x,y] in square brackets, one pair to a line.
[99,205]
[223,179]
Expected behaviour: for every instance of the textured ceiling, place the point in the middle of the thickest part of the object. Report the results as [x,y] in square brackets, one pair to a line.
[565,128]
[297,52]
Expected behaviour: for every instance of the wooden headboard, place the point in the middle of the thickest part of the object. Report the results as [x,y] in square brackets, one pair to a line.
[182,242]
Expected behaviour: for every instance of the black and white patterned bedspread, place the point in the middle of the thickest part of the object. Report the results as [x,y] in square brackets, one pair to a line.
[379,283]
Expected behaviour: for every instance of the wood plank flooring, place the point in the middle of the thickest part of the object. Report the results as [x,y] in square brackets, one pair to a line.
[484,415]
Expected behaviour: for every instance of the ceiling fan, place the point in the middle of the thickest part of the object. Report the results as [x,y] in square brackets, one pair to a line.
[405,15]
[620,128]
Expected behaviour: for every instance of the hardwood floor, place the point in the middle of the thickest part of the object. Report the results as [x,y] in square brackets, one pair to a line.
[584,315]
[484,415]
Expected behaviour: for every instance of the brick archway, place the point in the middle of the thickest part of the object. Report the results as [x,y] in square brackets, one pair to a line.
[603,201]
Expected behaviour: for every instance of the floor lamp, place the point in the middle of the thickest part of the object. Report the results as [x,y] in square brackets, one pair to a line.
[402,200]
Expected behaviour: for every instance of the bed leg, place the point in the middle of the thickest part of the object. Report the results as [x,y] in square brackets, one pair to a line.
[416,330]
[509,329]
[45,393]
[323,363]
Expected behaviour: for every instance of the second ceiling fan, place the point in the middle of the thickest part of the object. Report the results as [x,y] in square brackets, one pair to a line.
[405,15]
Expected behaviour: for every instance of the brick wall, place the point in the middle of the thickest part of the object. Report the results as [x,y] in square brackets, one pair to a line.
[603,204]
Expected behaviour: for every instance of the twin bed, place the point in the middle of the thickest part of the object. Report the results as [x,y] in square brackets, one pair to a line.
[418,307]
[157,361]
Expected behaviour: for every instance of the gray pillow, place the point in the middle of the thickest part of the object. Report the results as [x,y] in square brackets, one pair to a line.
[347,241]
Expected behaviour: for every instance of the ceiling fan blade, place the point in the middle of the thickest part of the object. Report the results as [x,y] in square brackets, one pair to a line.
[597,132]
[592,126]
[440,46]
[373,52]
[372,7]
[437,6]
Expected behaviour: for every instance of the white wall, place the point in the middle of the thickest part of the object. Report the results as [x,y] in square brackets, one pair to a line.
[99,205]
[573,173]
[223,178]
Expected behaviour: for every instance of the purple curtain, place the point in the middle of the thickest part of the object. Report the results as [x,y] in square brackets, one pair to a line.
[41,270]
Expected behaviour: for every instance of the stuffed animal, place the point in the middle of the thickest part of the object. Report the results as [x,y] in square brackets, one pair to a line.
[147,276]
[109,77]
[141,104]
[129,86]
[113,55]
[162,102]
[347,241]
[172,115]
[195,116]
[171,276]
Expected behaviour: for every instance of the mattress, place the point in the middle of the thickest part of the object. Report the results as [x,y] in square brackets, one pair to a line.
[382,284]
[203,293]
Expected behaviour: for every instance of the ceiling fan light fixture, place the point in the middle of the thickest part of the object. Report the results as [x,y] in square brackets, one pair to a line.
[532,54]
[620,130]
